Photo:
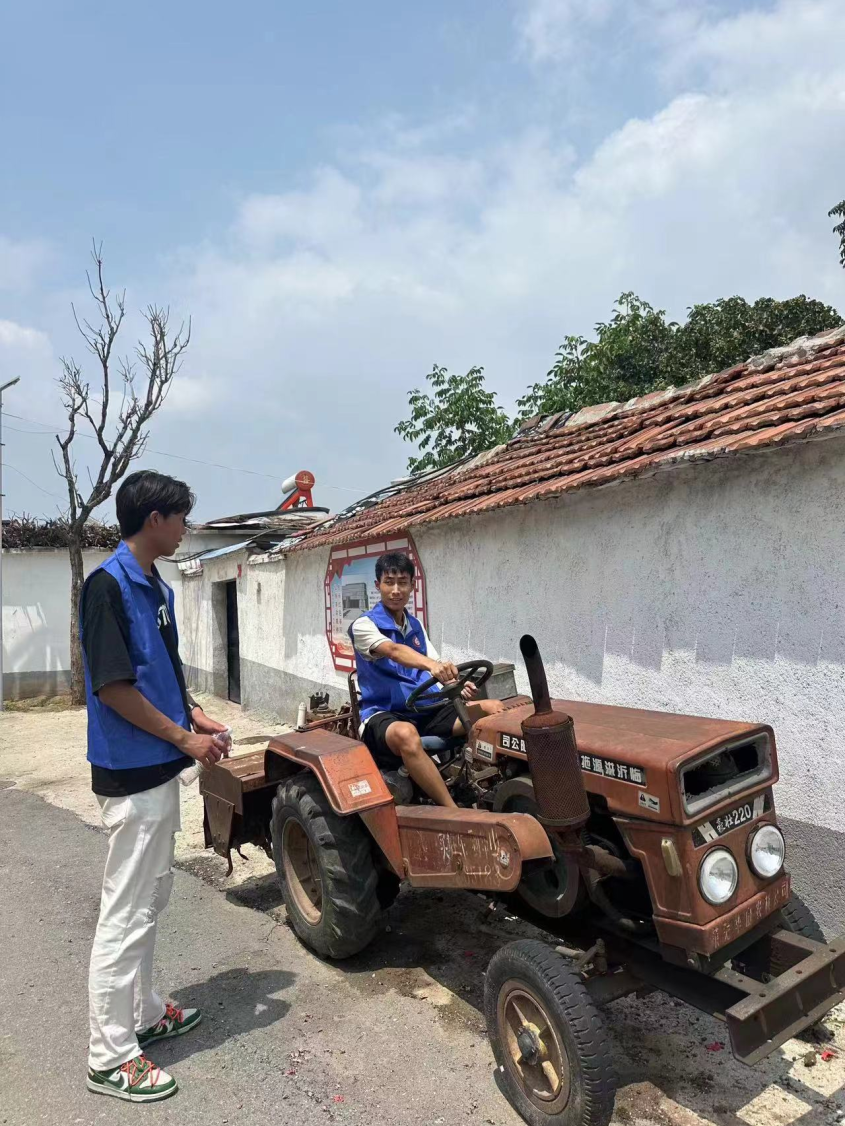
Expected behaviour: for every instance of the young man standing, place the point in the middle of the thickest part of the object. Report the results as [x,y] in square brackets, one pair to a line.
[394,656]
[140,718]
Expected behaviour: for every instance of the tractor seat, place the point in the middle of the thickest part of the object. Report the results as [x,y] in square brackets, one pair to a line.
[442,749]
[433,743]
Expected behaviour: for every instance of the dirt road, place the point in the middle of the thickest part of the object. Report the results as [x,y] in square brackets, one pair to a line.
[433,957]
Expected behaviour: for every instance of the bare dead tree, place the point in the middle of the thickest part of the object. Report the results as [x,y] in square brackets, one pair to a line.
[140,386]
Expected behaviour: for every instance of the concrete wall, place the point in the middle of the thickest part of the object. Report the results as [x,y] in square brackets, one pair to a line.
[283,658]
[715,590]
[36,621]
[36,616]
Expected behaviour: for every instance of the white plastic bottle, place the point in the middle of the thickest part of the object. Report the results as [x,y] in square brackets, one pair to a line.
[190,774]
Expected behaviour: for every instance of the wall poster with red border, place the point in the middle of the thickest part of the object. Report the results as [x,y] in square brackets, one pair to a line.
[350,587]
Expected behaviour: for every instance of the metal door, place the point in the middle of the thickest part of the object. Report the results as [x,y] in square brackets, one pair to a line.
[233,652]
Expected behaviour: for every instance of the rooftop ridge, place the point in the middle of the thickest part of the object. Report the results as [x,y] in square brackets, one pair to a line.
[784,395]
[801,349]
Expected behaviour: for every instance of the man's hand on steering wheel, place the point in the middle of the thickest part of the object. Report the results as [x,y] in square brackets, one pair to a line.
[445,672]
[458,683]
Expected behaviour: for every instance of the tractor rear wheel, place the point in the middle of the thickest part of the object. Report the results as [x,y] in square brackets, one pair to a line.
[548,1038]
[325,867]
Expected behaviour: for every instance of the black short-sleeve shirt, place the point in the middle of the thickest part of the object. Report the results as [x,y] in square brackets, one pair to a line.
[105,628]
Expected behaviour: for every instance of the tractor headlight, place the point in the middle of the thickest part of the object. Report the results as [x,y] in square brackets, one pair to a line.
[718,876]
[766,851]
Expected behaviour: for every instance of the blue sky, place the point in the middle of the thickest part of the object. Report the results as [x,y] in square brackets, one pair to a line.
[342,195]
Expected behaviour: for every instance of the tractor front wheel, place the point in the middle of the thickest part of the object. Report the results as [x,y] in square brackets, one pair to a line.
[759,961]
[325,867]
[548,1039]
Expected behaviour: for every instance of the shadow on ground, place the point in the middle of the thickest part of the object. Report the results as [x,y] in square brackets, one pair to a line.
[233,1002]
[435,950]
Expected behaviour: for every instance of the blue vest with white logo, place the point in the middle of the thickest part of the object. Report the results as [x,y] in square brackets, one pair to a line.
[386,685]
[113,742]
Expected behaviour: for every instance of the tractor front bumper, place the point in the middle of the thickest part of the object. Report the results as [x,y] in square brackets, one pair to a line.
[770,1014]
[760,1016]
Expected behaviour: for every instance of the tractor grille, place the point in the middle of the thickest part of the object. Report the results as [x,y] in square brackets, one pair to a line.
[556,770]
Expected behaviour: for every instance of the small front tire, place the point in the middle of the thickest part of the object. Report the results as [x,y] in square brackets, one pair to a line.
[548,1039]
[759,960]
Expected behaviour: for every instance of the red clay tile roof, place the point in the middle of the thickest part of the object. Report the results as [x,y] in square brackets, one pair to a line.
[786,395]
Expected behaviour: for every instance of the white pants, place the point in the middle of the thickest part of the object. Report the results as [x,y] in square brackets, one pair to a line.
[136,887]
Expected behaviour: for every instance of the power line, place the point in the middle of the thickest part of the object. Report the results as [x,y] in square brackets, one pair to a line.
[163,453]
[21,472]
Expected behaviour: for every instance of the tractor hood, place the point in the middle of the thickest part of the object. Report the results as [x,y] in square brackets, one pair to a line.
[648,763]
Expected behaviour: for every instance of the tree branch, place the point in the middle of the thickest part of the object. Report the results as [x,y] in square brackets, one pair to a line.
[160,358]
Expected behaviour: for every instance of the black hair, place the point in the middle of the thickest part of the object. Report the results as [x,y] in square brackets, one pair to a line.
[145,492]
[394,561]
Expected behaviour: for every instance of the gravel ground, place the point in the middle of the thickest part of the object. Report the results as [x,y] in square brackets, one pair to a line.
[433,957]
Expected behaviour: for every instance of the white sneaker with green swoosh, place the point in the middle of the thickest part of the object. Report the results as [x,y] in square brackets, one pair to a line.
[175,1022]
[136,1081]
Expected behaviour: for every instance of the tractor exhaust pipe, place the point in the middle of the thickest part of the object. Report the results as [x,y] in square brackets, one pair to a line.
[552,753]
[536,674]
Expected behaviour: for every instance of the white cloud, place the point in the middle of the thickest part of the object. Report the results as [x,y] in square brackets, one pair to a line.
[17,336]
[406,254]
[192,395]
[320,307]
[28,354]
[553,29]
[594,34]
[761,46]
[21,262]
[313,218]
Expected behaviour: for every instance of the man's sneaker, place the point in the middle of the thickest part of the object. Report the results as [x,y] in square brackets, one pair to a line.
[175,1022]
[136,1081]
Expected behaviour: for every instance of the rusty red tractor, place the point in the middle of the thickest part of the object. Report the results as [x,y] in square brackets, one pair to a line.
[648,841]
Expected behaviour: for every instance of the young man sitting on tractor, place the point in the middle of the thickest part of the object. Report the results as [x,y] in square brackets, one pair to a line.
[394,657]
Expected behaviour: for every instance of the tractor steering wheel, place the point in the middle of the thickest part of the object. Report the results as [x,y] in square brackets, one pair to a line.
[477,671]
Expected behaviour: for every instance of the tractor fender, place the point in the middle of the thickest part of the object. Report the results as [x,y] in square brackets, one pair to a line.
[468,848]
[344,767]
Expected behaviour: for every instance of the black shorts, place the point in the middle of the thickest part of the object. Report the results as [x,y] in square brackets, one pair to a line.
[439,724]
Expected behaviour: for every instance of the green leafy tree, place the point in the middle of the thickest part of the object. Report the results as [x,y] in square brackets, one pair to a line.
[638,350]
[457,418]
[838,212]
[730,330]
[632,354]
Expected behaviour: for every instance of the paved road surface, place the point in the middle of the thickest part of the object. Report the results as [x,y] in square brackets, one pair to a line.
[395,1033]
[270,1008]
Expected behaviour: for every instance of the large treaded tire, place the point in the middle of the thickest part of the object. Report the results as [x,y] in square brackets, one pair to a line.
[349,914]
[543,974]
[799,919]
[758,961]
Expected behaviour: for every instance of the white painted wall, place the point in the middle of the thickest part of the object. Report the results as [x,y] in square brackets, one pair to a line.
[36,609]
[717,590]
[300,647]
[261,622]
[276,632]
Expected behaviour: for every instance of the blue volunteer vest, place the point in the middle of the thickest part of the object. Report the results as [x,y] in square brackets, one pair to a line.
[113,742]
[385,685]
